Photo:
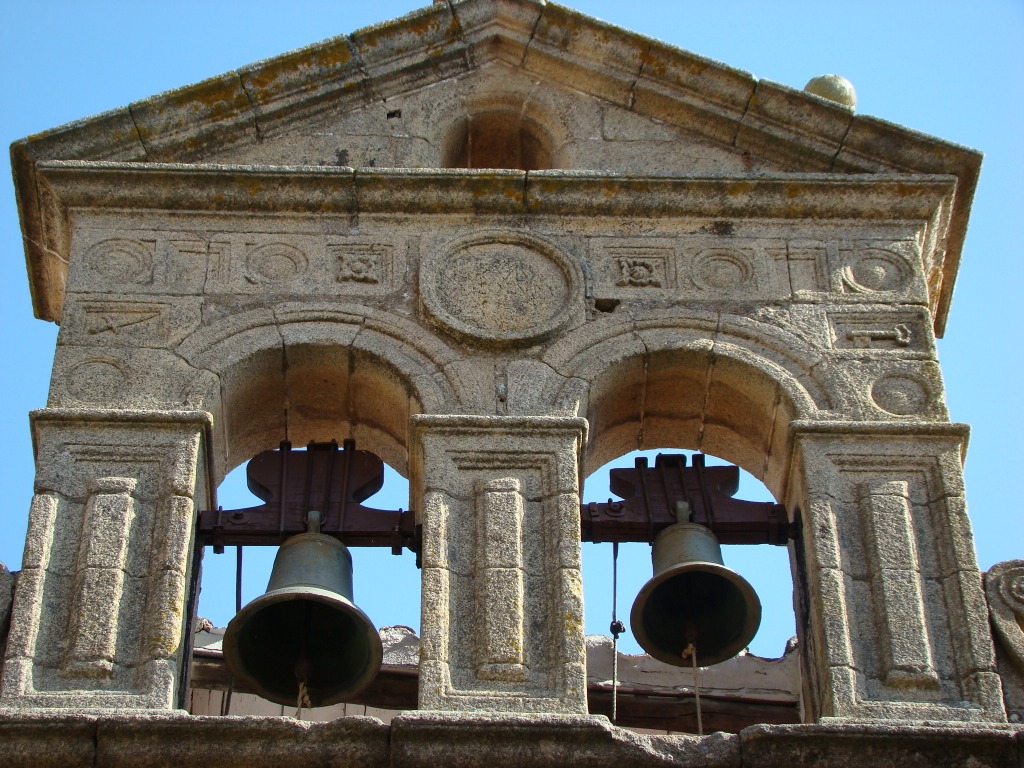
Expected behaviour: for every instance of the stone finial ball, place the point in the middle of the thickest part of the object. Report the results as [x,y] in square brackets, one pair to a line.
[834,88]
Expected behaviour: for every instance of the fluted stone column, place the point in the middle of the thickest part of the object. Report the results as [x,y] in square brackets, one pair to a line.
[502,614]
[102,602]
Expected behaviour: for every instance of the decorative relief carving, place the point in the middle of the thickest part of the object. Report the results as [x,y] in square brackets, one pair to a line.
[899,335]
[274,263]
[721,269]
[640,273]
[501,287]
[807,262]
[499,584]
[122,260]
[906,649]
[91,639]
[875,271]
[901,394]
[643,266]
[880,330]
[123,319]
[219,255]
[366,263]
[97,380]
[1004,587]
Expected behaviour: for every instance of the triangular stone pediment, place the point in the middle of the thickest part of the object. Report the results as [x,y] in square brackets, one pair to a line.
[594,97]
[429,127]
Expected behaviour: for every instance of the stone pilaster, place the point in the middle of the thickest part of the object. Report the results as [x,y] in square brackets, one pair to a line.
[895,617]
[101,606]
[502,623]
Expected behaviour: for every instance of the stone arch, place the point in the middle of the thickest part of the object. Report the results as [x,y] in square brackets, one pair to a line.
[728,387]
[510,124]
[305,373]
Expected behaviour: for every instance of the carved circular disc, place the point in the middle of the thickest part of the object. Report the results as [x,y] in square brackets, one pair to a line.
[499,287]
[1011,584]
[900,395]
[876,271]
[98,380]
[722,269]
[275,263]
[121,260]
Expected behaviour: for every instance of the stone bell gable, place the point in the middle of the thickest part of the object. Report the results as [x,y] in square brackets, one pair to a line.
[498,243]
[441,87]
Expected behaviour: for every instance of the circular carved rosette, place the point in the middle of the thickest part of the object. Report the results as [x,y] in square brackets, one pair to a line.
[500,288]
[876,271]
[1011,587]
[901,394]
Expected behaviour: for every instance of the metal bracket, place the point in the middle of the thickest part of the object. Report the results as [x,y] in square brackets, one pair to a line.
[330,480]
[649,498]
[335,480]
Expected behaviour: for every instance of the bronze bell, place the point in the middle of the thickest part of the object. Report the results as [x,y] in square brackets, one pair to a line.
[305,628]
[693,598]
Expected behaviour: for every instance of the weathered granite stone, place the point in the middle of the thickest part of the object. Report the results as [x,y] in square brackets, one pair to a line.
[47,739]
[468,740]
[856,745]
[1004,588]
[7,580]
[497,243]
[230,742]
[501,566]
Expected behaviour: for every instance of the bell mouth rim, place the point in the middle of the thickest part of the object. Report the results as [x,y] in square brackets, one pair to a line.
[751,624]
[233,660]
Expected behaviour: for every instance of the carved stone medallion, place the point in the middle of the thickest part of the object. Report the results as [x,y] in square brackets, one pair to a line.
[720,269]
[97,380]
[900,394]
[274,263]
[121,260]
[503,288]
[876,271]
[1004,587]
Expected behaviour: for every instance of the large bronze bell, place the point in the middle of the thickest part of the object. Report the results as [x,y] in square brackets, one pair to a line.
[693,599]
[305,628]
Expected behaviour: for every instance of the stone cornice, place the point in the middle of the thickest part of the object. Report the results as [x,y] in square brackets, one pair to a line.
[67,186]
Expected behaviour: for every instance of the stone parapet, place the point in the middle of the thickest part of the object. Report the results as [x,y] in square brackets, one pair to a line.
[41,739]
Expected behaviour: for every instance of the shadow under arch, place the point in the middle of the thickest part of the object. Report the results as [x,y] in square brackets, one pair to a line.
[312,376]
[701,390]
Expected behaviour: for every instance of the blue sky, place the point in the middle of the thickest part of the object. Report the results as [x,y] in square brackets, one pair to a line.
[950,69]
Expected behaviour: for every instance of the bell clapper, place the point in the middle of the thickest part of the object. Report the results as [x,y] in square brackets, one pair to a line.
[302,662]
[690,651]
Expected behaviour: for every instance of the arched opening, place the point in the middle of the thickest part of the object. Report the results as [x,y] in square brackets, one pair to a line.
[766,567]
[498,139]
[718,400]
[315,392]
[316,389]
[679,392]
